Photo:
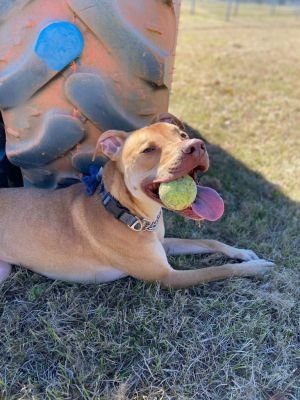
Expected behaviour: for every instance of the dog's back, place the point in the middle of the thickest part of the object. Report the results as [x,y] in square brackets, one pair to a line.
[31,220]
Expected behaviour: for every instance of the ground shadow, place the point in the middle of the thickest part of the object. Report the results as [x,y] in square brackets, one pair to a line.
[256,210]
[60,337]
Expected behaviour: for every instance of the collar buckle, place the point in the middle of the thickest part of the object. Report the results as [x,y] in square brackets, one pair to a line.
[137,225]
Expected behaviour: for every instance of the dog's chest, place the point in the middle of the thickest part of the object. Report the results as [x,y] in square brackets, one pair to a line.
[87,274]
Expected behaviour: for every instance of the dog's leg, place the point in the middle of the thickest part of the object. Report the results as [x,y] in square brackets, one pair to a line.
[184,279]
[175,247]
[5,270]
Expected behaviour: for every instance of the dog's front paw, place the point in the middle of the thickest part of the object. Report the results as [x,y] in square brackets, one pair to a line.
[257,267]
[245,255]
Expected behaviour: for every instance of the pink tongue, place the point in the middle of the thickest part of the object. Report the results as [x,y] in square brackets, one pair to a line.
[208,204]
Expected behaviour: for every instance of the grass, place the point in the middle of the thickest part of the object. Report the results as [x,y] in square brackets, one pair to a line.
[235,85]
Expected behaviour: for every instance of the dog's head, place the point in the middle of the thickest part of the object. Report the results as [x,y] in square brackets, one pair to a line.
[161,152]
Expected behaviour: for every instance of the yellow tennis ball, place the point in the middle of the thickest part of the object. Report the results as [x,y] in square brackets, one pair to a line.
[178,194]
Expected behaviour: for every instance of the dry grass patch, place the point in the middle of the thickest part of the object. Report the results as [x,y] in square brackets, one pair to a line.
[236,84]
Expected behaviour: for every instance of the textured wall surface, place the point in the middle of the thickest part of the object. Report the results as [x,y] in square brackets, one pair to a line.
[70,70]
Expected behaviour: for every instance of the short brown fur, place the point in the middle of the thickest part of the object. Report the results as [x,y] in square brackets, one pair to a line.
[66,235]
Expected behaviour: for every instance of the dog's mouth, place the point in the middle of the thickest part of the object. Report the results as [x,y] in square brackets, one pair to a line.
[208,203]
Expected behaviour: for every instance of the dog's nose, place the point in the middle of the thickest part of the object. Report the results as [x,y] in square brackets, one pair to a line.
[195,147]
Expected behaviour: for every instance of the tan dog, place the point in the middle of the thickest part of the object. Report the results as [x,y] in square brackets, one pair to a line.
[67,235]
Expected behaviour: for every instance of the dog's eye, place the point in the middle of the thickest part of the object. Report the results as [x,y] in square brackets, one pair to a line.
[184,135]
[149,149]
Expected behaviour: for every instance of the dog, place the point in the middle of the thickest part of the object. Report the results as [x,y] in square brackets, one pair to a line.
[118,230]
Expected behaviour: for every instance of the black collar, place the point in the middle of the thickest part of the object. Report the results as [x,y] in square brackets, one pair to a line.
[122,213]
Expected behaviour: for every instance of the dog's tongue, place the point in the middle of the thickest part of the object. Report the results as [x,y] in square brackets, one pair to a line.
[208,204]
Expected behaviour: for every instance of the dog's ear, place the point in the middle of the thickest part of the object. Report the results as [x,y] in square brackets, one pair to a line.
[170,118]
[110,143]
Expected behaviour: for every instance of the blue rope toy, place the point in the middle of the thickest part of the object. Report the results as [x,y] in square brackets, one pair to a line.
[92,180]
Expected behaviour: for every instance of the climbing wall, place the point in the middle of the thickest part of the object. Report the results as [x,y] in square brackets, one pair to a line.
[71,69]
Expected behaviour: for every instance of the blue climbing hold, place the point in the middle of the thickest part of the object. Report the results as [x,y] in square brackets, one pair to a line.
[59,44]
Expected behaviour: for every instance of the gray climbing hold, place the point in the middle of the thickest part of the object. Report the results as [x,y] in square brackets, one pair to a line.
[39,178]
[66,181]
[82,160]
[59,133]
[57,45]
[95,98]
[135,50]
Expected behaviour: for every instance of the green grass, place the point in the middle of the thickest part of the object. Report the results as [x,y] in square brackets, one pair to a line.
[236,85]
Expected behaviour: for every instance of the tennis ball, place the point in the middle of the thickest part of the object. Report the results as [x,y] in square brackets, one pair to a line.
[178,194]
